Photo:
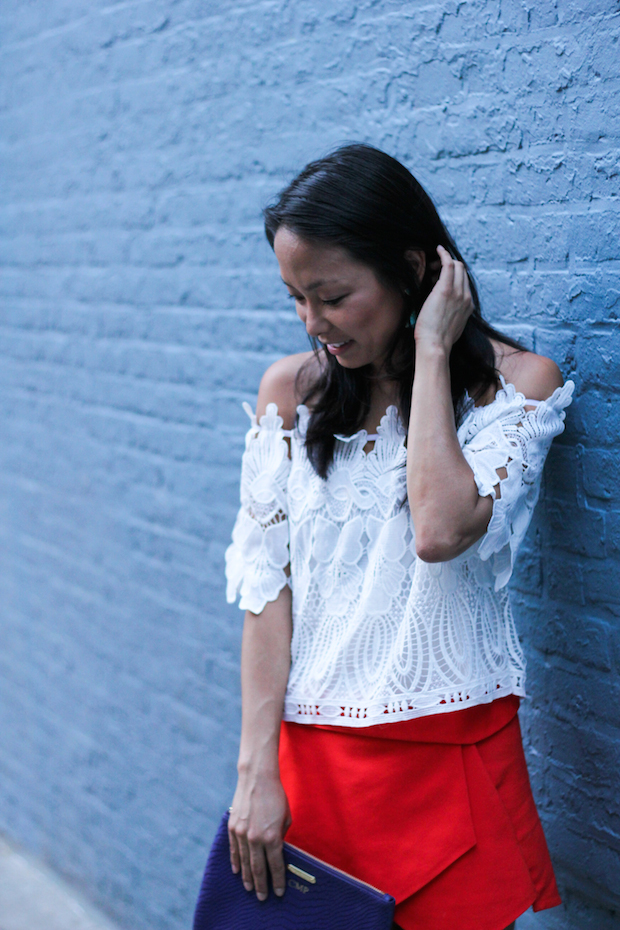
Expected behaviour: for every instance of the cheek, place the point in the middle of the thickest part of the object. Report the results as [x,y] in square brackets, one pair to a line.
[386,313]
[384,324]
[393,316]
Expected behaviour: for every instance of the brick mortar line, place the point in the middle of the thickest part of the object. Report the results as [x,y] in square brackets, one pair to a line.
[582,23]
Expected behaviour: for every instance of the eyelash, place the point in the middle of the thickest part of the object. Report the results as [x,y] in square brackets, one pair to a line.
[330,303]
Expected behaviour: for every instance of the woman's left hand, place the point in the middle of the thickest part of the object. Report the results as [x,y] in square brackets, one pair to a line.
[447,308]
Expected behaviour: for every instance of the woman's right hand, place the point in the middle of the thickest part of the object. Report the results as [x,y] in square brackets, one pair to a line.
[259,818]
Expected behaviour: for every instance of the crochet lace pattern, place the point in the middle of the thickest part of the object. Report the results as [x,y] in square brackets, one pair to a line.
[378,634]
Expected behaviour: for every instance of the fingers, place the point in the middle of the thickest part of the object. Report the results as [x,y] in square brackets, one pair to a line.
[469,300]
[244,857]
[235,857]
[457,283]
[251,856]
[454,277]
[277,869]
[240,857]
[259,818]
[258,866]
[446,278]
[445,311]
[460,287]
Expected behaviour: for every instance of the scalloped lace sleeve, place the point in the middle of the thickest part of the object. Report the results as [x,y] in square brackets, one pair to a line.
[504,435]
[259,552]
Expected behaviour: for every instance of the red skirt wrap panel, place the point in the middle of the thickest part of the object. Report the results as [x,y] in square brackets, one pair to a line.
[437,811]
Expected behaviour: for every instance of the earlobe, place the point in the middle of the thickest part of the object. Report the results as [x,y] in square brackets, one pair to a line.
[417,259]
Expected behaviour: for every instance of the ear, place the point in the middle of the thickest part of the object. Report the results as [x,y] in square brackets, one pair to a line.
[417,259]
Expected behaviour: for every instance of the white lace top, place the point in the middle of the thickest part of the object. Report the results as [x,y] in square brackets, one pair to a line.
[378,634]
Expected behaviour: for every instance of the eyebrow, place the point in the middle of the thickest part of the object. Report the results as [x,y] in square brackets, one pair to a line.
[311,287]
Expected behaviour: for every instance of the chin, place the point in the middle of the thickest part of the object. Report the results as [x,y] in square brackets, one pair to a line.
[353,363]
[347,363]
[353,360]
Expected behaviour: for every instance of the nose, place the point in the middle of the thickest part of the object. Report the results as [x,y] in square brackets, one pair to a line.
[313,319]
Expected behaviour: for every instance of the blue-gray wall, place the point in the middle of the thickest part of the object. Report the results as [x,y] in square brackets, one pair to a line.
[139,306]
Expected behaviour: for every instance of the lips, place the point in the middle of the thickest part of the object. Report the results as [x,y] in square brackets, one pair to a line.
[337,348]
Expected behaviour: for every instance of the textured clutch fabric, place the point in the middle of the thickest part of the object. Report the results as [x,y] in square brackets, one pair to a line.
[317,897]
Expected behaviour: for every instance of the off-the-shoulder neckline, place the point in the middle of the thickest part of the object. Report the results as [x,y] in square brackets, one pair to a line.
[389,421]
[503,394]
[507,393]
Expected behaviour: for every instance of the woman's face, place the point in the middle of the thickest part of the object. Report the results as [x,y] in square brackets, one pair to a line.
[341,301]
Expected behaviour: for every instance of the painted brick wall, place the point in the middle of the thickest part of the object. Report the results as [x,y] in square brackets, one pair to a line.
[140,305]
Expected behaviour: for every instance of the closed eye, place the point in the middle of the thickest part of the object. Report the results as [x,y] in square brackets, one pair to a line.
[332,302]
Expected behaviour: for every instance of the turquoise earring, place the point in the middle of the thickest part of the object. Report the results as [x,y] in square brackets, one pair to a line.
[412,318]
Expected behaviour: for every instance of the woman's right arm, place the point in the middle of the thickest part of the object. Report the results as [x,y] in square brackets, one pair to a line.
[260,813]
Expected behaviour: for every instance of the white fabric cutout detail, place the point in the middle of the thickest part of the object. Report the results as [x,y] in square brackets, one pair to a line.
[378,634]
[256,560]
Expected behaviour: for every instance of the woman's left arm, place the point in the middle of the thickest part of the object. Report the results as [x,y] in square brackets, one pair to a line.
[448,513]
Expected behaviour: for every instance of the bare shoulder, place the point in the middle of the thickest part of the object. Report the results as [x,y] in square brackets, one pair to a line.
[279,386]
[533,375]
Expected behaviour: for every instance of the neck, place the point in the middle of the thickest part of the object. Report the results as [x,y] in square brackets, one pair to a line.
[383,394]
[383,391]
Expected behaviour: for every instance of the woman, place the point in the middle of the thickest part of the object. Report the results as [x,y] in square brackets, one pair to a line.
[388,479]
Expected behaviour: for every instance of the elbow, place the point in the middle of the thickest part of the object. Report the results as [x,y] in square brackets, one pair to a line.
[434,547]
[441,537]
[433,551]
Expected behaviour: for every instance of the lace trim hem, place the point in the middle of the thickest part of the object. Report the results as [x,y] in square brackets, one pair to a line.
[366,715]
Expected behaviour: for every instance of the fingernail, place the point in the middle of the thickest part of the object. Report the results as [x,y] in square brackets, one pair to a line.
[235,869]
[261,895]
[279,891]
[247,886]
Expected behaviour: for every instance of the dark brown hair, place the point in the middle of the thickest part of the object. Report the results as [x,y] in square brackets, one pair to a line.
[366,202]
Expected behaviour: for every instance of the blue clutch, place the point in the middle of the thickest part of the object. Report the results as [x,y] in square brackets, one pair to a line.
[318,897]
